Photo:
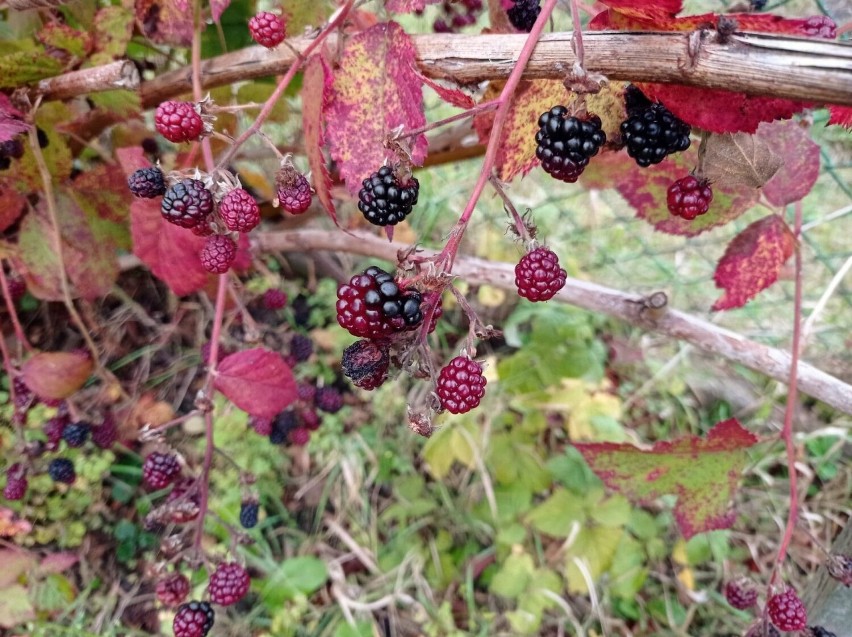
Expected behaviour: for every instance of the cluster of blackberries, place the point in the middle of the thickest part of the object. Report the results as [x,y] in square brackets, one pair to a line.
[523,14]
[294,425]
[227,585]
[651,131]
[385,199]
[784,609]
[457,15]
[565,144]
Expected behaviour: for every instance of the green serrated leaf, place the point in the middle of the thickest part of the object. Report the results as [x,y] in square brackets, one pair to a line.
[25,67]
[296,576]
[559,514]
[514,575]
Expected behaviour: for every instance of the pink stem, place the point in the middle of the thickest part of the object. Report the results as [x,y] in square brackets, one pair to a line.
[790,408]
[13,314]
[448,254]
[471,112]
[204,480]
[269,104]
[577,34]
[206,150]
[520,226]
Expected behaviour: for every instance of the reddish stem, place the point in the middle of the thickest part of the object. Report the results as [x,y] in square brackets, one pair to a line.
[577,34]
[448,254]
[518,221]
[13,314]
[792,402]
[269,104]
[471,112]
[206,150]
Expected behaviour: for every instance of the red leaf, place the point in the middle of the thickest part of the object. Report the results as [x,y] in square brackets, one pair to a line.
[658,12]
[752,261]
[800,170]
[56,375]
[11,120]
[165,21]
[374,92]
[452,96]
[841,115]
[702,472]
[257,381]
[217,8]
[316,93]
[11,204]
[407,6]
[58,562]
[645,190]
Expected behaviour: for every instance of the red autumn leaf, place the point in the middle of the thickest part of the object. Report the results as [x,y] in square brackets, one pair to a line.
[702,472]
[841,116]
[408,6]
[56,375]
[453,96]
[660,11]
[374,92]
[316,92]
[217,8]
[257,381]
[11,120]
[165,21]
[800,154]
[12,204]
[645,189]
[752,261]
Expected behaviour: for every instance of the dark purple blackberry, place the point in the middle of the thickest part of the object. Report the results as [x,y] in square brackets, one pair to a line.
[12,148]
[105,435]
[187,203]
[371,305]
[16,482]
[147,183]
[77,433]
[43,140]
[329,399]
[62,470]
[301,347]
[301,311]
[248,513]
[53,430]
[565,144]
[307,392]
[159,470]
[194,619]
[282,425]
[523,14]
[366,363]
[817,631]
[385,201]
[651,132]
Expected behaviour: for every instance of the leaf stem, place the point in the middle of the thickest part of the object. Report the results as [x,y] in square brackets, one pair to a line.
[471,112]
[13,314]
[792,403]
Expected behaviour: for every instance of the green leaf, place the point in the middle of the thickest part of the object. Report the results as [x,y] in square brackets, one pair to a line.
[25,67]
[515,462]
[449,444]
[514,575]
[360,629]
[595,547]
[559,514]
[15,606]
[572,471]
[298,575]
[627,573]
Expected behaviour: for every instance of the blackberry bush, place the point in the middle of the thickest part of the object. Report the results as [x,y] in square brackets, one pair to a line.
[564,144]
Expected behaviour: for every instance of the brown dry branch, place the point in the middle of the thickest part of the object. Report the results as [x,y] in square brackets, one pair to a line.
[122,74]
[816,71]
[630,308]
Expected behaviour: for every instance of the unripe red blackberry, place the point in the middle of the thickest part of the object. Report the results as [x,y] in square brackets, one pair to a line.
[105,435]
[565,144]
[16,482]
[366,363]
[62,470]
[300,436]
[301,347]
[267,29]
[786,611]
[741,593]
[261,424]
[228,584]
[538,276]
[294,191]
[194,619]
[218,253]
[239,211]
[53,429]
[307,392]
[328,399]
[385,200]
[159,470]
[461,385]
[651,132]
[310,419]
[172,589]
[274,299]
[523,14]
[17,287]
[187,203]
[689,197]
[371,305]
[178,121]
[147,183]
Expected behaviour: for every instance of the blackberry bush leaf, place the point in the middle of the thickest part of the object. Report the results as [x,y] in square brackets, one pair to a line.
[316,92]
[841,115]
[257,381]
[740,158]
[702,472]
[752,261]
[453,96]
[303,13]
[56,375]
[375,91]
[296,576]
[799,172]
[11,120]
[173,23]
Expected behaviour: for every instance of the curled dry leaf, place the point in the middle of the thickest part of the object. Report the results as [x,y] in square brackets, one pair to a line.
[56,375]
[740,158]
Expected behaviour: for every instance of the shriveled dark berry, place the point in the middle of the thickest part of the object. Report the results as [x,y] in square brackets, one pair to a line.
[147,183]
[194,619]
[228,584]
[564,144]
[366,363]
[301,347]
[172,589]
[538,276]
[385,200]
[187,203]
[461,385]
[839,566]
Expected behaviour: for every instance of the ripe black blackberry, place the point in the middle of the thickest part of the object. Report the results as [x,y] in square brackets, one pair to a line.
[371,305]
[76,434]
[565,144]
[384,200]
[366,363]
[248,513]
[187,203]
[282,425]
[301,347]
[523,14]
[193,619]
[62,470]
[651,131]
[147,183]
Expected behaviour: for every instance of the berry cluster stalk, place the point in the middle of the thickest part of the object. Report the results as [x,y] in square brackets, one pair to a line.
[448,254]
[10,306]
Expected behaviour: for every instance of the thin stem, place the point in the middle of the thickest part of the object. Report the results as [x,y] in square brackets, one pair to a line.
[792,402]
[509,207]
[285,82]
[577,34]
[13,314]
[204,480]
[448,254]
[471,112]
[206,150]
